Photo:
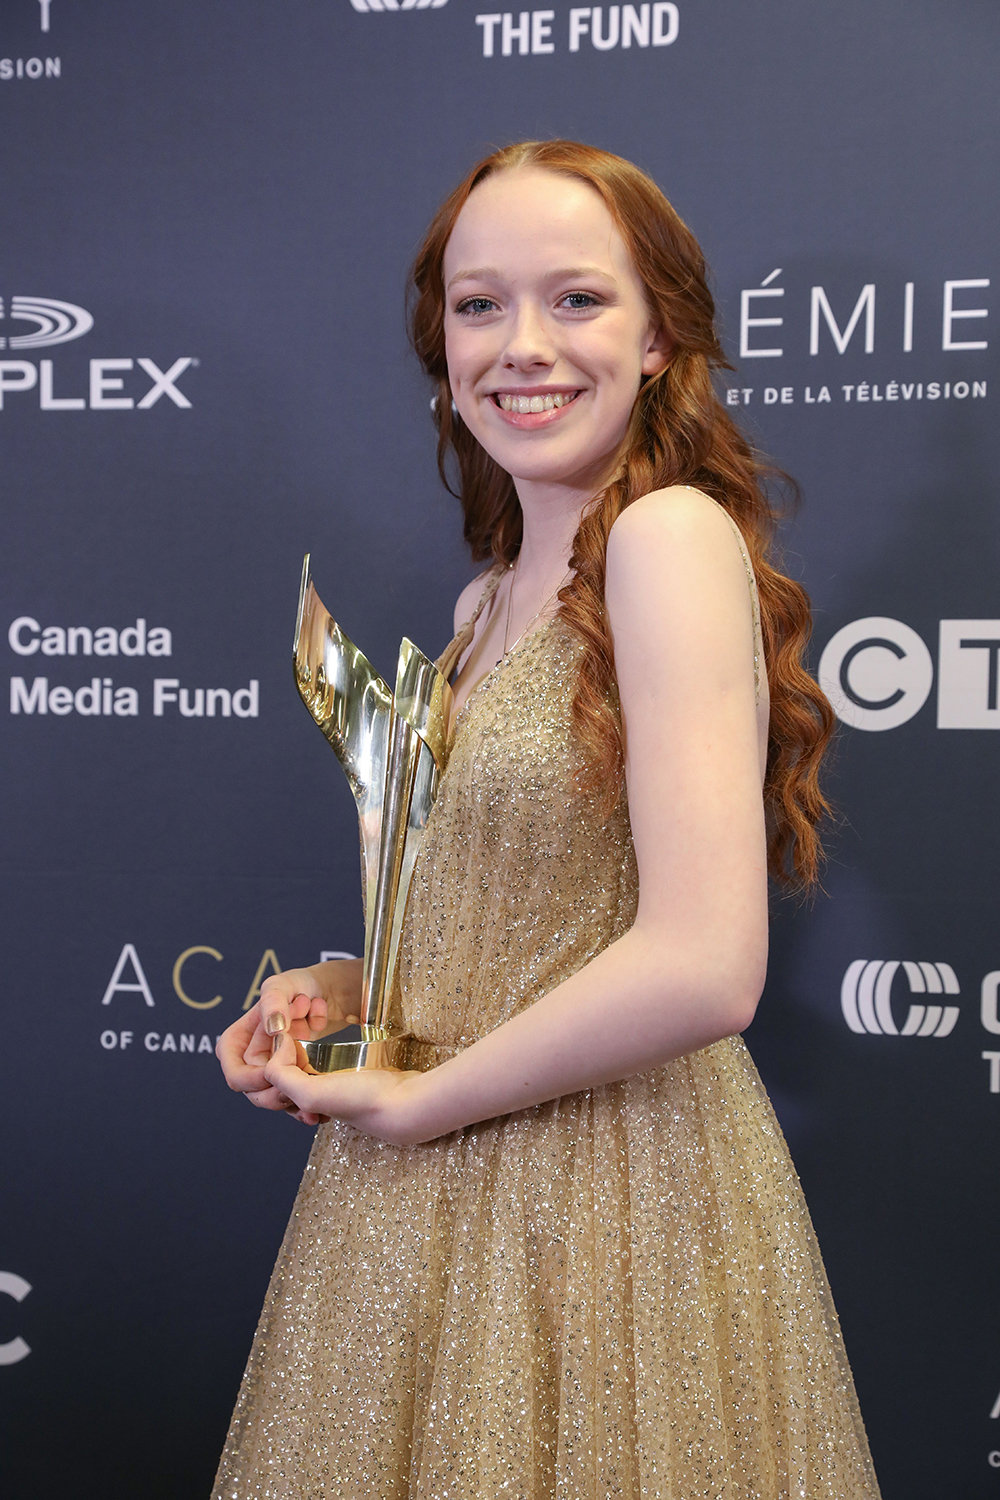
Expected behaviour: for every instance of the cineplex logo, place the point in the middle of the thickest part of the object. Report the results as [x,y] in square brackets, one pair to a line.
[878,673]
[57,322]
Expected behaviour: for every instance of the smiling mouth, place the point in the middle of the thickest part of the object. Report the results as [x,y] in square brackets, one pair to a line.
[523,405]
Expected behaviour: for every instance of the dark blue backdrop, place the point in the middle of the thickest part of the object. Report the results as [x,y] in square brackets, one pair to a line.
[224,198]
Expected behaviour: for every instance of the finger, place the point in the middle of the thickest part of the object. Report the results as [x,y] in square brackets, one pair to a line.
[284,1073]
[259,1049]
[241,1073]
[305,1117]
[303,1025]
[282,1010]
[318,1014]
[275,1011]
[237,1035]
[302,1058]
[268,1097]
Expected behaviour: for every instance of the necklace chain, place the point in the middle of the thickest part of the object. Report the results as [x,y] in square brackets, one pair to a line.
[510,599]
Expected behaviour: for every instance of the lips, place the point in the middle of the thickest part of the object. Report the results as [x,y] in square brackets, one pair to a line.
[534,407]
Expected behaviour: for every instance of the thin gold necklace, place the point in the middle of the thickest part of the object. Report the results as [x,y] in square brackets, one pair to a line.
[510,599]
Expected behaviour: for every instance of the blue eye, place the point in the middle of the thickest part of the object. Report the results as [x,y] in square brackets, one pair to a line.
[580,301]
[476,306]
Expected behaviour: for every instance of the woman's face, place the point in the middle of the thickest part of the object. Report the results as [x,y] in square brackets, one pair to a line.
[547,330]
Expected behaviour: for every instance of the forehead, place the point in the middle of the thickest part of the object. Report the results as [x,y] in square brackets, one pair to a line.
[530,219]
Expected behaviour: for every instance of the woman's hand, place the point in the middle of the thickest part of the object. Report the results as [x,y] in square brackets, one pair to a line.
[377,1101]
[300,1003]
[333,992]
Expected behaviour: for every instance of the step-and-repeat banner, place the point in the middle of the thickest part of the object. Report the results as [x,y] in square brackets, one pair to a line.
[207,215]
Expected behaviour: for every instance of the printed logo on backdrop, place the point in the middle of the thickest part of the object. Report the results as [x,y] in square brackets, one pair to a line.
[110,385]
[15,1349]
[901,320]
[193,982]
[531,32]
[57,322]
[370,5]
[100,697]
[866,998]
[993,1457]
[878,673]
[866,1002]
[32,68]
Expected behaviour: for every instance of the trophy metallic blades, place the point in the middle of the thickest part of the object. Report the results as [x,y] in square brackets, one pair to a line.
[393,749]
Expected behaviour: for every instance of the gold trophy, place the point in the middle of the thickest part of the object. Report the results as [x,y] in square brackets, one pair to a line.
[394,749]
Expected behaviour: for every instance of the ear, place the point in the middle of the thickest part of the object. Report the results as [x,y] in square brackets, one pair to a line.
[659,351]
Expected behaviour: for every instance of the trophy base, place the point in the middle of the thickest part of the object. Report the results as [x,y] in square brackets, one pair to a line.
[405,1053]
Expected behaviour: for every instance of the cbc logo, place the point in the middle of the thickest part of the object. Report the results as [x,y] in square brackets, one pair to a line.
[368,5]
[56,322]
[878,673]
[866,998]
[14,1286]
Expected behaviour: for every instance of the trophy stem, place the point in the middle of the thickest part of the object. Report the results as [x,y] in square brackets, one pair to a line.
[401,767]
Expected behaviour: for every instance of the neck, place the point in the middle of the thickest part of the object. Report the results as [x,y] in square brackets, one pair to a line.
[551,517]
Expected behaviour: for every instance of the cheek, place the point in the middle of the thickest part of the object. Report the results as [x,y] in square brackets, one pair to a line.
[625,358]
[450,350]
[613,355]
[459,353]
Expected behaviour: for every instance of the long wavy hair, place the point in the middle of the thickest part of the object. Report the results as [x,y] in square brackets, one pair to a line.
[679,433]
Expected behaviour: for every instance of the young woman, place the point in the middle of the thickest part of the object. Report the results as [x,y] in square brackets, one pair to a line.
[573,1260]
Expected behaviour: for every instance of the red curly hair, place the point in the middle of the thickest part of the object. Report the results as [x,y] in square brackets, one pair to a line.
[680,433]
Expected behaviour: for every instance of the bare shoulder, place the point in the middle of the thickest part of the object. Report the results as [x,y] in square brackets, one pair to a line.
[677,532]
[675,516]
[470,596]
[676,594]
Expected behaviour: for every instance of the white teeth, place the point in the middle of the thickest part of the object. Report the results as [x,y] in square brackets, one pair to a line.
[525,404]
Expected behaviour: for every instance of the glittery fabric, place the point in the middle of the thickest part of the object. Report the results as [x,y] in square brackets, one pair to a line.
[617,1294]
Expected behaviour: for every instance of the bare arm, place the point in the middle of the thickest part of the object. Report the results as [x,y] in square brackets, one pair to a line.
[691,968]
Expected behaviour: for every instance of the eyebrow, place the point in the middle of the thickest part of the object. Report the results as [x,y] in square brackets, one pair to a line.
[570,273]
[482,273]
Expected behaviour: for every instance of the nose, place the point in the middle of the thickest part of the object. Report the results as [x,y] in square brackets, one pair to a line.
[530,341]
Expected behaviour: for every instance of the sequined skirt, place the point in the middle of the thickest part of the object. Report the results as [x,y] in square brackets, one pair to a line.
[615,1294]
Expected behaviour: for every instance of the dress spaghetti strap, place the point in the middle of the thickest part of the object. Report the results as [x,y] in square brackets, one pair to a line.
[758,640]
[452,654]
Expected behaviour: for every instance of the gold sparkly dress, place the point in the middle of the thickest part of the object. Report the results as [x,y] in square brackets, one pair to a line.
[617,1294]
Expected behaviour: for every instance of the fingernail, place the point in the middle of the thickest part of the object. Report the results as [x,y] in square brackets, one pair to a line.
[277,1043]
[275,1023]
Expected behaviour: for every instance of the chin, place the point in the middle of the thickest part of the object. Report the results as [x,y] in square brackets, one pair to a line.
[541,461]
